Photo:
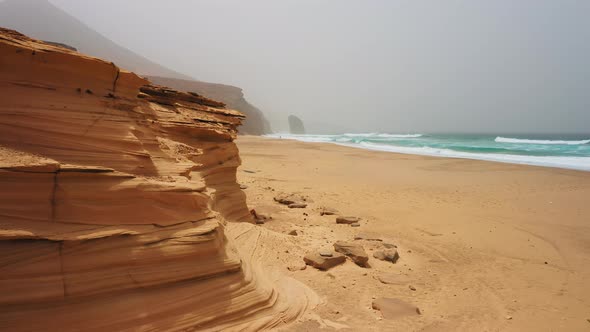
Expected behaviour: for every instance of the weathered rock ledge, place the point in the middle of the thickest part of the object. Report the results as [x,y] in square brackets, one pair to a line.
[114,194]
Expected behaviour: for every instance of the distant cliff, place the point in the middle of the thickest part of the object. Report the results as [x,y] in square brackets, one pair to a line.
[71,48]
[296,125]
[48,22]
[255,123]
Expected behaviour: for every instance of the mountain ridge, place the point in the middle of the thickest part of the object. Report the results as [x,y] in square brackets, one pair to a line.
[42,20]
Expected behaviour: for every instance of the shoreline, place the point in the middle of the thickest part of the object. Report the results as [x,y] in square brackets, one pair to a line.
[478,241]
[514,159]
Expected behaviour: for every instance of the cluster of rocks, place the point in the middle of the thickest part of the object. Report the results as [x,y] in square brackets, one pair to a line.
[293,201]
[327,259]
[348,220]
[296,201]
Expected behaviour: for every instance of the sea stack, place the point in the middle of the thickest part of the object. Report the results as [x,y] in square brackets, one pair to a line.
[296,125]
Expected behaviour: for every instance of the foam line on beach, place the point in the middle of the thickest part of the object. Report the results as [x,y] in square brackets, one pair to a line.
[576,163]
[500,139]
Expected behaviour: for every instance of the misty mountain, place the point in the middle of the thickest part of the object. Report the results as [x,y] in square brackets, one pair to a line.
[42,20]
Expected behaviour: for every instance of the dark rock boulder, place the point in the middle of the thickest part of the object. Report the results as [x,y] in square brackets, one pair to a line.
[347,220]
[296,125]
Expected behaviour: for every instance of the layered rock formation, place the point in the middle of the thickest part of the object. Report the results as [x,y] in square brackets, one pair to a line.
[255,122]
[114,194]
[48,22]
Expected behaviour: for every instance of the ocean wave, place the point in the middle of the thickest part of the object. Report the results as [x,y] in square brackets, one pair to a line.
[578,163]
[570,162]
[399,135]
[384,135]
[500,139]
[304,138]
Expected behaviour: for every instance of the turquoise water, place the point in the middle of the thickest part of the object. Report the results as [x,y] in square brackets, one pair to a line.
[565,151]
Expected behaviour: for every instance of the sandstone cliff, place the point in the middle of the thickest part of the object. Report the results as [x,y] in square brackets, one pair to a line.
[255,122]
[43,20]
[114,194]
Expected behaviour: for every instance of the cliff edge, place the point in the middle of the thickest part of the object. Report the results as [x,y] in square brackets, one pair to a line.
[114,196]
[255,122]
[43,20]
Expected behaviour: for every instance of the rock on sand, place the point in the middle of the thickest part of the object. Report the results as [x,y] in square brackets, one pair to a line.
[354,251]
[326,211]
[323,263]
[390,255]
[288,199]
[347,220]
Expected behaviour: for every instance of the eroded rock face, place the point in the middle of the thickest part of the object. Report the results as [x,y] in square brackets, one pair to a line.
[255,122]
[113,201]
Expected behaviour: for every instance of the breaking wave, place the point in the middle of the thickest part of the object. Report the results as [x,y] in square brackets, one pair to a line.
[500,139]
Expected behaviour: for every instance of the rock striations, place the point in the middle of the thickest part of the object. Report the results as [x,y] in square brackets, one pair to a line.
[114,194]
[255,122]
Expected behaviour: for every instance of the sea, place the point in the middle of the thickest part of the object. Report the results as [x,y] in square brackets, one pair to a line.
[562,151]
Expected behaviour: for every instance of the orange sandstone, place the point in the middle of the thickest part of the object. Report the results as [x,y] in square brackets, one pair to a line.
[113,199]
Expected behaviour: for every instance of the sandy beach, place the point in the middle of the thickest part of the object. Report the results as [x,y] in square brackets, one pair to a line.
[294,167]
[483,246]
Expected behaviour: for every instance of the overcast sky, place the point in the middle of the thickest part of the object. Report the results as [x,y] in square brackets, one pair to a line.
[365,66]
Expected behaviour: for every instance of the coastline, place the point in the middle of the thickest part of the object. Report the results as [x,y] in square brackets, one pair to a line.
[486,245]
[563,162]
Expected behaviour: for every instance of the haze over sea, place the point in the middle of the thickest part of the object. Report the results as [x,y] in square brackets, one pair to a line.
[563,151]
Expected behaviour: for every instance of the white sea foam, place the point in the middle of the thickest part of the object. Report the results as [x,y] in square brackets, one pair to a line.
[579,163]
[500,139]
[399,135]
[383,135]
[305,138]
[343,137]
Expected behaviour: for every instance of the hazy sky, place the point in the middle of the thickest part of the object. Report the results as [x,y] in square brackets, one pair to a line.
[390,66]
